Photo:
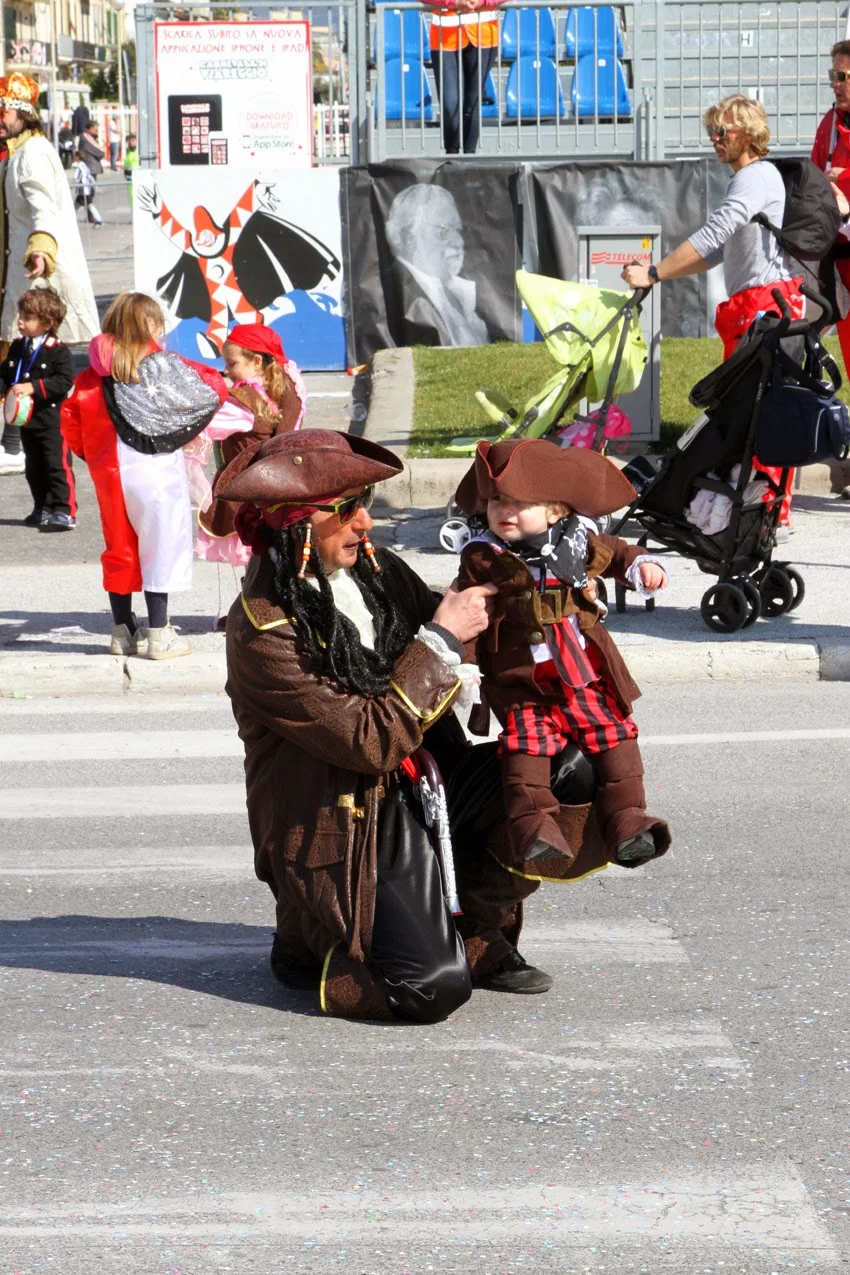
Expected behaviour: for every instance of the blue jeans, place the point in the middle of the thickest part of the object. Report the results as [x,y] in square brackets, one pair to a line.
[470,66]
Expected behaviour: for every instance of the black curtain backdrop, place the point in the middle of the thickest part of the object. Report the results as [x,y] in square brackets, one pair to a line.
[386,304]
[500,208]
[559,197]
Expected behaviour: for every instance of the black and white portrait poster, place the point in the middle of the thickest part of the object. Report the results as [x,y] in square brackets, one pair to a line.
[560,197]
[431,255]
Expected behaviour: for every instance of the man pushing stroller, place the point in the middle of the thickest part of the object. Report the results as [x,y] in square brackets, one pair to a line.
[755,265]
[551,672]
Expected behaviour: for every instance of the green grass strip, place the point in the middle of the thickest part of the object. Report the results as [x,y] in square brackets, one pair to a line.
[446,381]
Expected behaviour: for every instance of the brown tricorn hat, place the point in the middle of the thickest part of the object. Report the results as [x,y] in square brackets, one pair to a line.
[540,472]
[308,466]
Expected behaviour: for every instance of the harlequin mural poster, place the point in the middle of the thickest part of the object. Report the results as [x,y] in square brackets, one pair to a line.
[220,246]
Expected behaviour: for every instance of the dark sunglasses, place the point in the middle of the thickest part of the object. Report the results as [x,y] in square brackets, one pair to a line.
[839,77]
[345,510]
[719,131]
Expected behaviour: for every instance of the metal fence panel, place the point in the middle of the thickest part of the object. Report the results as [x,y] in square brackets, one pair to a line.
[558,86]
[676,59]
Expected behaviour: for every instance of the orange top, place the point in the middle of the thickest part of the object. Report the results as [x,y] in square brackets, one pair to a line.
[451,30]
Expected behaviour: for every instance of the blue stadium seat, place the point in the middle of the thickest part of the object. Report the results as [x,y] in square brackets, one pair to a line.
[408,92]
[405,35]
[533,90]
[528,33]
[599,88]
[489,100]
[581,38]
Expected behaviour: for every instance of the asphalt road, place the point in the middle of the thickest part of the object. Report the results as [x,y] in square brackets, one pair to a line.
[677,1103]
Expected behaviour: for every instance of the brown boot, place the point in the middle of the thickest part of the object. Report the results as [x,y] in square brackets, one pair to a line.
[531,808]
[620,805]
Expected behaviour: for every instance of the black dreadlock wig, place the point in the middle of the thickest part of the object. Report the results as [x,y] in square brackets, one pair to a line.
[329,636]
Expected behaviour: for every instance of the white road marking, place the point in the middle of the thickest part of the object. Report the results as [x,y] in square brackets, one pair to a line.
[129,860]
[593,942]
[156,800]
[118,705]
[619,1050]
[120,745]
[156,745]
[176,949]
[747,737]
[768,1207]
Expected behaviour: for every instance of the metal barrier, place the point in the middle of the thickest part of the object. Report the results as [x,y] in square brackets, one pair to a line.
[561,82]
[562,87]
[338,34]
[777,53]
[628,80]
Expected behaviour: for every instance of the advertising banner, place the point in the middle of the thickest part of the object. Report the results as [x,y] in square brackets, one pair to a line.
[234,93]
[226,246]
[432,252]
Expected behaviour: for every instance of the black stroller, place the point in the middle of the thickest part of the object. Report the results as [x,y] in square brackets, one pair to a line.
[747,412]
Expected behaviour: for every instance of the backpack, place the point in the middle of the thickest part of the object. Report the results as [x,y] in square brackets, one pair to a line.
[811,219]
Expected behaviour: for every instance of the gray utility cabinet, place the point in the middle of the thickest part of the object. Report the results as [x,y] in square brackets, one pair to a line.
[603,251]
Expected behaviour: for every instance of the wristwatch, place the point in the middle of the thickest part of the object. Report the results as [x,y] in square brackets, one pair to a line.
[653,274]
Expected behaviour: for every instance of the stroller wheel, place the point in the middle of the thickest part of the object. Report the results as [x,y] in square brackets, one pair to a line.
[797,581]
[751,593]
[454,534]
[777,592]
[724,608]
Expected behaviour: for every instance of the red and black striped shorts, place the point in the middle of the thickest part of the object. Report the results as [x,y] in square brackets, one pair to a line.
[588,716]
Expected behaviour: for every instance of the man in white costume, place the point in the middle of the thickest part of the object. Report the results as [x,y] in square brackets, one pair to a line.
[38,232]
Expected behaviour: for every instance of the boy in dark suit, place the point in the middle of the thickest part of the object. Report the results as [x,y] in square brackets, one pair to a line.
[39,366]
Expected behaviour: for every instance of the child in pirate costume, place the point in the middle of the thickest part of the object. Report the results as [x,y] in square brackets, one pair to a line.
[550,671]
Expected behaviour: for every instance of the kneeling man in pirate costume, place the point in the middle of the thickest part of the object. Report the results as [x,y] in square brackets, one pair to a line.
[551,671]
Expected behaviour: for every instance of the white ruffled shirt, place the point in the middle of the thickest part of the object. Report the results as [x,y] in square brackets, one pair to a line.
[349,600]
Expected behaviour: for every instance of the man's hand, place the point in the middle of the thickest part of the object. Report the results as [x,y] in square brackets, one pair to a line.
[637,276]
[841,200]
[39,266]
[653,576]
[466,613]
[25,387]
[467,6]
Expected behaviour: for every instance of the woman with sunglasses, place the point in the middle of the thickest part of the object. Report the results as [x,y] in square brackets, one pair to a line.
[831,152]
[338,660]
[754,263]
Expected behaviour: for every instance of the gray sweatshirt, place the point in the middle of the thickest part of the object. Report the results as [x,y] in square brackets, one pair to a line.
[750,254]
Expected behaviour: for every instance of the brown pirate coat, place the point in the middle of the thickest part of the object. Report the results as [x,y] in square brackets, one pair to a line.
[317,761]
[522,614]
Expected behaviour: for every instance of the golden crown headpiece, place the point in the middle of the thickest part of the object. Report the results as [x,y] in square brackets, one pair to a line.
[19,93]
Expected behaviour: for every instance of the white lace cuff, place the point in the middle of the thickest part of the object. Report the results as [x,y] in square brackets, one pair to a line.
[467,674]
[633,576]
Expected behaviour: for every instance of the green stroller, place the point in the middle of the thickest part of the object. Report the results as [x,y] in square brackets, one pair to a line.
[593,334]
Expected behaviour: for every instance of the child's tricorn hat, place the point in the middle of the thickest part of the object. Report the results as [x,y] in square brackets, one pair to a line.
[536,471]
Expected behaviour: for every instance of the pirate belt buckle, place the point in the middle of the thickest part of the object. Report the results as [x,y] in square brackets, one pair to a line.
[554,598]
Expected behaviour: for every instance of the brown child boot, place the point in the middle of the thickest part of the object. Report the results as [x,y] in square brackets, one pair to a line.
[631,835]
[531,808]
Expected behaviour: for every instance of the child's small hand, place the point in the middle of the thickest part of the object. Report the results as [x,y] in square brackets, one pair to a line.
[25,387]
[653,576]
